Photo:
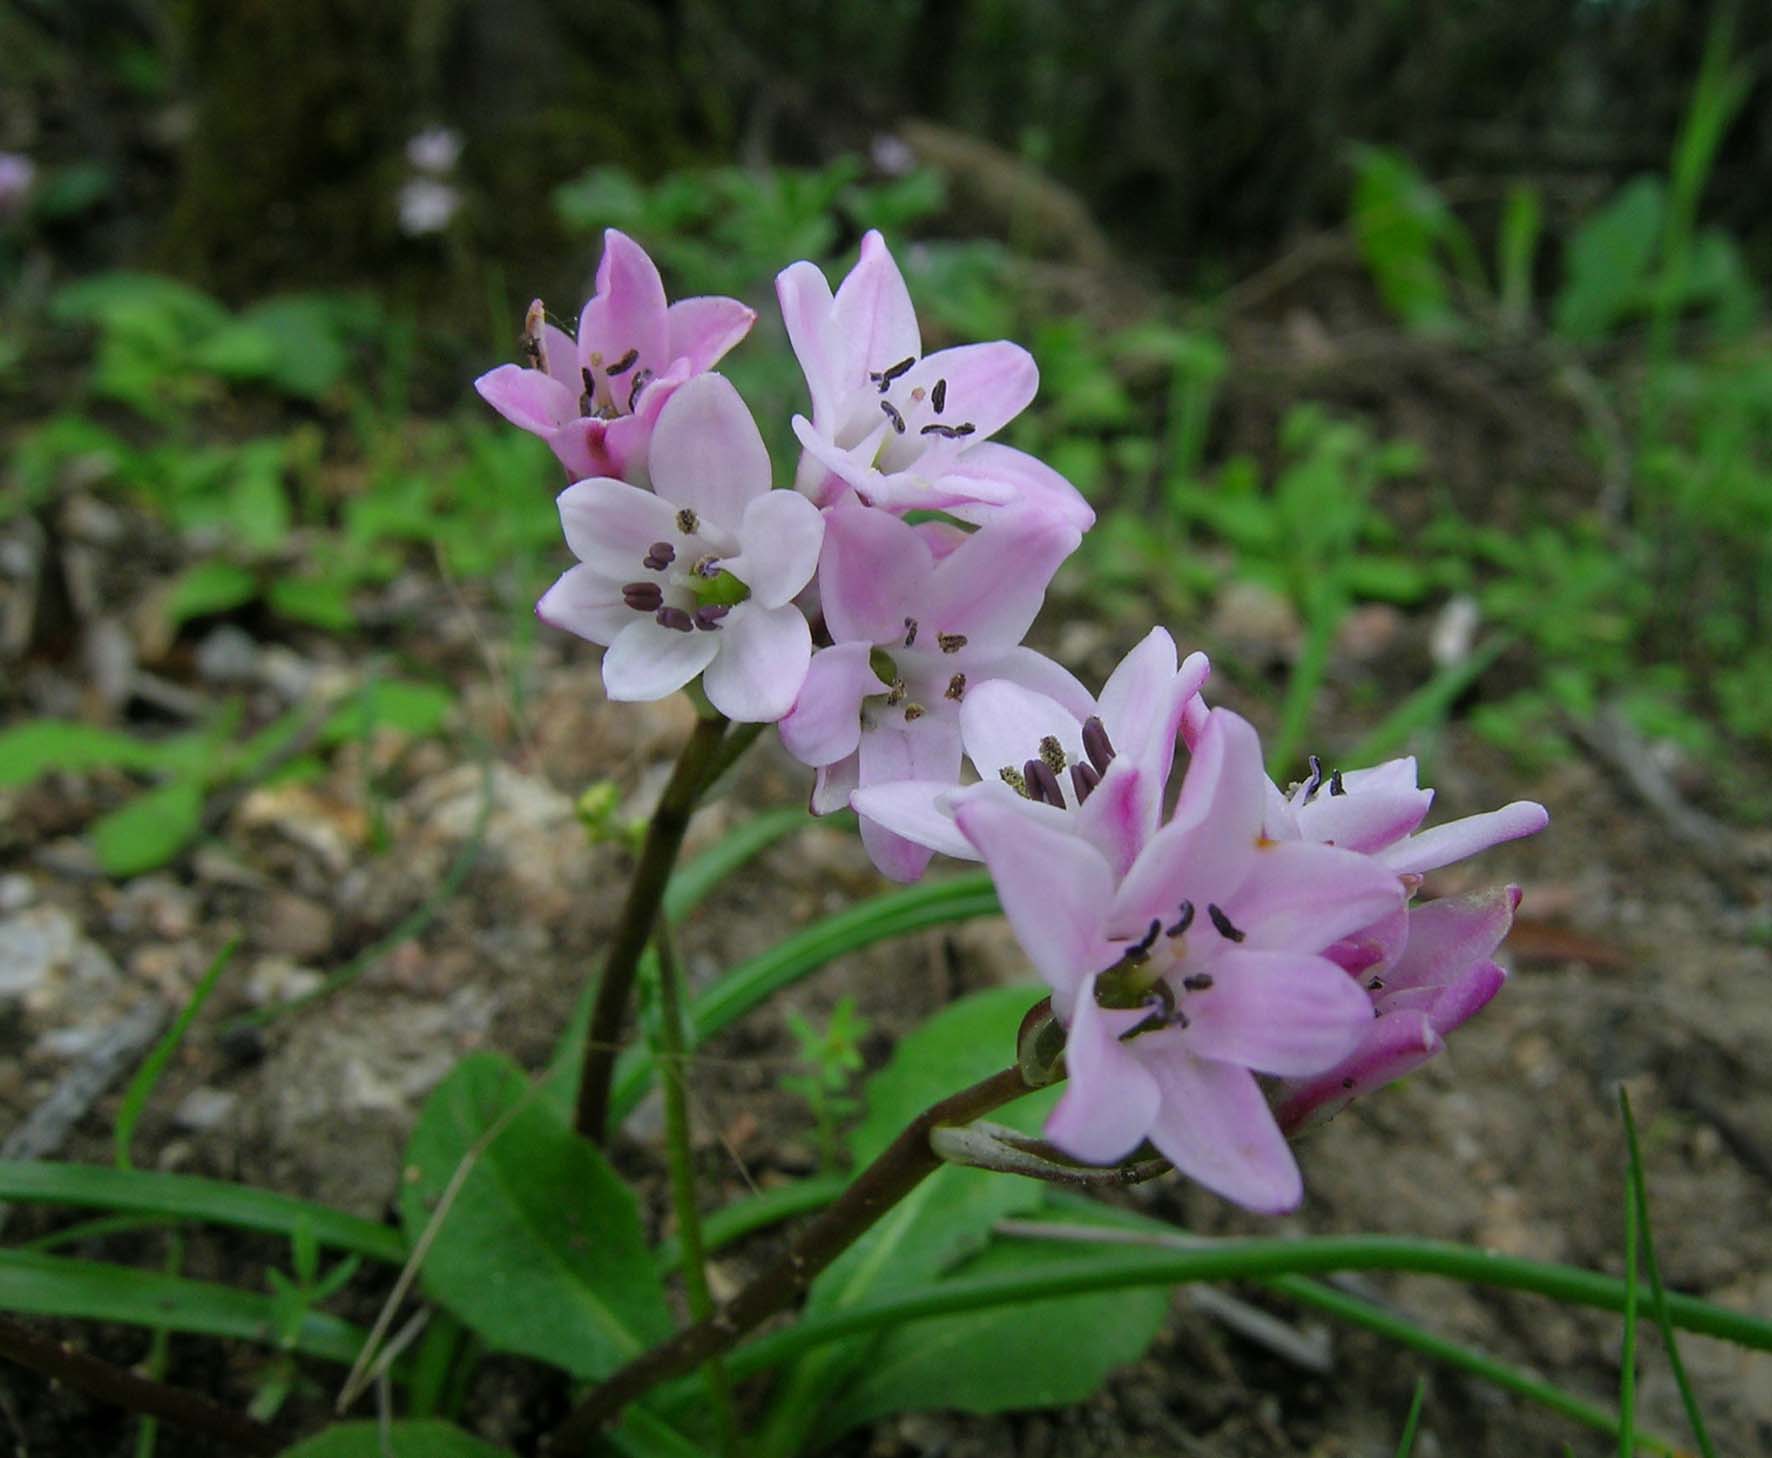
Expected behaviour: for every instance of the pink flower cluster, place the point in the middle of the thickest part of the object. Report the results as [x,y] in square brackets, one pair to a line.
[1246,933]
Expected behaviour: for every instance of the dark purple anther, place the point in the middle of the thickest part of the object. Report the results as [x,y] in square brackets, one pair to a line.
[1183,920]
[884,378]
[1315,782]
[1083,780]
[1097,745]
[674,617]
[938,397]
[1225,929]
[708,618]
[624,364]
[659,556]
[910,632]
[1199,982]
[1042,783]
[641,381]
[643,597]
[893,415]
[1335,785]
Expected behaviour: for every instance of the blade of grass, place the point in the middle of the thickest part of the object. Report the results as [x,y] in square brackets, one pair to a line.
[1406,1443]
[147,1077]
[1627,1362]
[40,1285]
[147,1433]
[1430,703]
[187,1197]
[1658,1291]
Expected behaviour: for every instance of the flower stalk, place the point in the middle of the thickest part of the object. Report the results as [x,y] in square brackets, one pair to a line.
[658,857]
[905,1163]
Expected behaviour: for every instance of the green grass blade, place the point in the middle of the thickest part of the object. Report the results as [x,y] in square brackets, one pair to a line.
[695,878]
[187,1197]
[1254,1259]
[43,1285]
[1406,1443]
[147,1077]
[1498,1374]
[1627,1362]
[1658,1291]
[895,914]
[1430,703]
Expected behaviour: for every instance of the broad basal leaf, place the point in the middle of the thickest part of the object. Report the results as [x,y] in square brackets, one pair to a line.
[397,1440]
[540,1249]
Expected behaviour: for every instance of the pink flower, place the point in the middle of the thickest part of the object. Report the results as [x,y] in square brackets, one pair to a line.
[1442,976]
[902,430]
[698,575]
[1192,970]
[596,400]
[916,615]
[1106,765]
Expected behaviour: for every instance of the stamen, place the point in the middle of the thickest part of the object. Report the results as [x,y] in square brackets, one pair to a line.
[893,415]
[913,712]
[643,597]
[659,556]
[1052,753]
[1225,928]
[708,618]
[674,617]
[1315,782]
[1375,985]
[587,402]
[885,378]
[1335,785]
[951,642]
[956,689]
[688,522]
[708,566]
[938,397]
[896,694]
[1149,939]
[910,632]
[624,364]
[1183,921]
[1197,982]
[1012,777]
[533,342]
[641,381]
[1042,783]
[1084,780]
[1096,744]
[948,432]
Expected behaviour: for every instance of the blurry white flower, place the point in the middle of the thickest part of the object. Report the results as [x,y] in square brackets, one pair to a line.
[17,173]
[435,149]
[892,155]
[1454,631]
[426,206]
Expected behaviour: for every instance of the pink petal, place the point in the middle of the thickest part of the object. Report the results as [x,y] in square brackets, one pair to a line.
[762,662]
[1038,673]
[926,749]
[912,810]
[1396,776]
[825,724]
[707,453]
[627,313]
[805,299]
[562,357]
[648,661]
[1276,1012]
[1304,897]
[1110,1099]
[778,543]
[1372,949]
[874,573]
[894,857]
[1214,1126]
[702,330]
[872,319]
[1144,698]
[587,603]
[1002,724]
[1445,844]
[833,784]
[627,440]
[529,399]
[1209,844]
[1053,885]
[1446,936]
[1036,486]
[1392,1047]
[611,525]
[988,385]
[1121,812]
[1465,996]
[1362,819]
[991,586]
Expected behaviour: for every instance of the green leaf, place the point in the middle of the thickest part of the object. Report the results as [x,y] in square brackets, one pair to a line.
[1399,222]
[1608,263]
[258,509]
[141,1087]
[397,1440]
[418,709]
[1038,1353]
[321,602]
[44,1285]
[188,1197]
[540,1248]
[43,745]
[149,830]
[215,586]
